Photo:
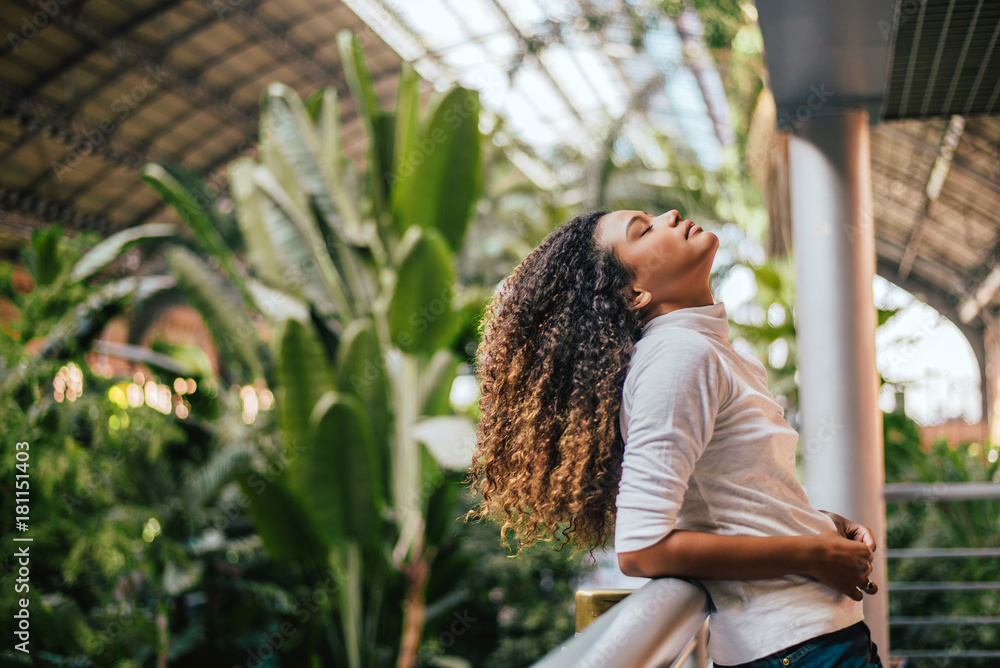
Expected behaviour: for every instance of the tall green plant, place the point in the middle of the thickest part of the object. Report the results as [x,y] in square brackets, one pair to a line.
[359,287]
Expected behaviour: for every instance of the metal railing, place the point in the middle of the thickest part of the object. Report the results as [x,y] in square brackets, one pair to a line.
[976,491]
[660,624]
[652,627]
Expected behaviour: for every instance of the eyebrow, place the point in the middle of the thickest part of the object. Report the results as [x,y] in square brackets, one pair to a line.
[628,225]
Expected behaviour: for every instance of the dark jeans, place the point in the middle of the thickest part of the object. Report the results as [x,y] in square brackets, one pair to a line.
[851,647]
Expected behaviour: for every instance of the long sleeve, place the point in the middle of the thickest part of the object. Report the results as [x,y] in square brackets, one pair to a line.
[670,402]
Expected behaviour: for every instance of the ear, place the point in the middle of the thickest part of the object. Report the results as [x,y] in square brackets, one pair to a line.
[640,297]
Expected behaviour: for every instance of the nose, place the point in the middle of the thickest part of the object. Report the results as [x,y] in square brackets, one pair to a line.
[673,216]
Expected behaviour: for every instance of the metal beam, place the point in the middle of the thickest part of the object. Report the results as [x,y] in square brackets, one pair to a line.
[541,66]
[932,189]
[37,211]
[120,30]
[699,61]
[274,36]
[44,118]
[134,55]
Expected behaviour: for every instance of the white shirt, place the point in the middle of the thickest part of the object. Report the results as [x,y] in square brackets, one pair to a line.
[707,449]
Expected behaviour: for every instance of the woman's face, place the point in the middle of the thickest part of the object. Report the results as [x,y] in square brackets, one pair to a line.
[672,266]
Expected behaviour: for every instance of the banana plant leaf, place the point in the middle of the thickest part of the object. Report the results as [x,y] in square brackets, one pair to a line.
[42,257]
[262,249]
[284,522]
[307,266]
[223,313]
[109,249]
[303,376]
[361,372]
[324,110]
[297,139]
[439,180]
[404,136]
[338,472]
[359,80]
[420,316]
[436,381]
[194,209]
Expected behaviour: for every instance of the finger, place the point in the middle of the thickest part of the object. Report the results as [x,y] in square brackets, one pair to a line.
[856,594]
[872,590]
[865,535]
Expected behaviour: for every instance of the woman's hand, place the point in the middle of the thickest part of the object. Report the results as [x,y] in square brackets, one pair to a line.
[852,530]
[841,563]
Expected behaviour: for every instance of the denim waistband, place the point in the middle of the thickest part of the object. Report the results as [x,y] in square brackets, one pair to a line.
[853,629]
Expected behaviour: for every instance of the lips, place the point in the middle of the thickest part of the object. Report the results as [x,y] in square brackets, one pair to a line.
[691,229]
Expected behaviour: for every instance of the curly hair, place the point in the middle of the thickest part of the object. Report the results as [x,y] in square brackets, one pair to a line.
[556,343]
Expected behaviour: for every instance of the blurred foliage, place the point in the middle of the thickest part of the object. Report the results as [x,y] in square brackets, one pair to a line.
[120,575]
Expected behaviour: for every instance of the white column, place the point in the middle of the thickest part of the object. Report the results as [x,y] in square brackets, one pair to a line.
[834,249]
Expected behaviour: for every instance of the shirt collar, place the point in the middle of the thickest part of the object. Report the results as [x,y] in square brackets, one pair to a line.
[709,319]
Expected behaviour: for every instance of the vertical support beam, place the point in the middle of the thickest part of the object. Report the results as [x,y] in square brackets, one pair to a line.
[991,375]
[834,249]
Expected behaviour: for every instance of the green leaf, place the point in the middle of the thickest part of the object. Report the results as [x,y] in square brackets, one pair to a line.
[195,209]
[223,313]
[436,382]
[325,111]
[359,80]
[297,139]
[303,376]
[441,176]
[884,315]
[108,250]
[361,372]
[338,471]
[260,243]
[419,314]
[43,256]
[768,276]
[307,267]
[284,522]
[442,509]
[407,121]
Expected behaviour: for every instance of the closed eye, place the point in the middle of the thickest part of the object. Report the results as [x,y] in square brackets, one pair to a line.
[647,230]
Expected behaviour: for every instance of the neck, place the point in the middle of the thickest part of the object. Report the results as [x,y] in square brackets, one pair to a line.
[702,298]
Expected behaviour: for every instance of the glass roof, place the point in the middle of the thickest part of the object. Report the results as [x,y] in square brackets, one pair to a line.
[563,73]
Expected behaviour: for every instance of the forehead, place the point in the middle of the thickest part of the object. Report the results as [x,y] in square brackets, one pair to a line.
[612,225]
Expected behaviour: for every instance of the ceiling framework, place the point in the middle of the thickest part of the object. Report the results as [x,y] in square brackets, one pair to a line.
[928,73]
[945,59]
[91,91]
[940,129]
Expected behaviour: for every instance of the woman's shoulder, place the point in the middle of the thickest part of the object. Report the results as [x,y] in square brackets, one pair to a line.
[674,346]
[678,352]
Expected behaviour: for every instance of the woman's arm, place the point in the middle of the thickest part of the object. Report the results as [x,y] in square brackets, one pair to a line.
[832,559]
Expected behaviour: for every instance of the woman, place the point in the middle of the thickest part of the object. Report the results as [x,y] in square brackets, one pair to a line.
[613,406]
